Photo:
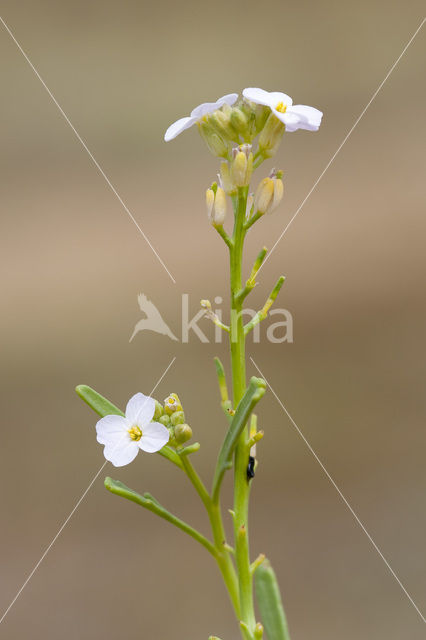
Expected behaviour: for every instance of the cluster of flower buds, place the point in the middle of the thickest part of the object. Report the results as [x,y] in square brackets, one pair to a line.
[231,125]
[269,193]
[216,205]
[171,415]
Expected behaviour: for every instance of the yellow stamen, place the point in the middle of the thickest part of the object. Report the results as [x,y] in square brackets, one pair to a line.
[135,433]
[281,107]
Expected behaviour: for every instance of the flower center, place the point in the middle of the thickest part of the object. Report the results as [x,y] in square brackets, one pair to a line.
[135,433]
[281,107]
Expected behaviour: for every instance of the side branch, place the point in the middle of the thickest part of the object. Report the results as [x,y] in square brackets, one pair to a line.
[251,282]
[149,502]
[261,315]
[225,403]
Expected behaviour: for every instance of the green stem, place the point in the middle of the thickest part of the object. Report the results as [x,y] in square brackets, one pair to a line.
[241,483]
[222,556]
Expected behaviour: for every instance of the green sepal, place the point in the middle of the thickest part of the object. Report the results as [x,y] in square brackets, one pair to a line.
[104,407]
[253,394]
[270,604]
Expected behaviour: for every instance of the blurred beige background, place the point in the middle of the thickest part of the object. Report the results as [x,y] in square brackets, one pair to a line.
[73,263]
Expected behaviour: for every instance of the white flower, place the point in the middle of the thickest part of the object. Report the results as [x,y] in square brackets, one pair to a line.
[294,117]
[124,436]
[197,114]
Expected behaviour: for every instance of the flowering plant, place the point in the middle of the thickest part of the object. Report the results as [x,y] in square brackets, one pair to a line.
[229,127]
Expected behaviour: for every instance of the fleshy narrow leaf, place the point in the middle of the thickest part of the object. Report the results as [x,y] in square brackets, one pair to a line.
[253,394]
[270,604]
[98,403]
[149,502]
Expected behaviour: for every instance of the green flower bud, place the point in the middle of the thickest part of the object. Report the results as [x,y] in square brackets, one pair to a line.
[220,120]
[178,417]
[271,135]
[225,174]
[172,438]
[183,433]
[240,122]
[164,419]
[172,404]
[159,411]
[214,141]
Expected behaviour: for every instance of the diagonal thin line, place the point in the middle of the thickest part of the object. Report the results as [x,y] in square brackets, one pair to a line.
[95,162]
[340,493]
[333,157]
[95,477]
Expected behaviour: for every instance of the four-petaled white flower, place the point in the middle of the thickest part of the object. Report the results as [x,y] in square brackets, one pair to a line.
[123,436]
[197,114]
[297,116]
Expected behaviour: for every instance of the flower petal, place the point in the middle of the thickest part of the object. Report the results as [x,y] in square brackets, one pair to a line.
[209,107]
[109,428]
[154,436]
[288,118]
[230,98]
[267,98]
[140,410]
[177,127]
[122,452]
[309,117]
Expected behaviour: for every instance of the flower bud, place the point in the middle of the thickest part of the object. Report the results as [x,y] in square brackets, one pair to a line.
[172,404]
[183,433]
[159,411]
[219,210]
[239,121]
[221,122]
[178,417]
[264,195]
[242,165]
[239,168]
[278,193]
[271,135]
[209,202]
[225,175]
[214,141]
[164,419]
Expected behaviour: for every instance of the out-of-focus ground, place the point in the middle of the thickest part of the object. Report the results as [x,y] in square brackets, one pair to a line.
[72,264]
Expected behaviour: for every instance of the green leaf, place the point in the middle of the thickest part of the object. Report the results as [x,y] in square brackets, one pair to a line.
[253,394]
[104,407]
[98,403]
[149,502]
[270,604]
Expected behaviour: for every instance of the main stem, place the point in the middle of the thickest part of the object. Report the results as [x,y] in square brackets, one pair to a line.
[241,482]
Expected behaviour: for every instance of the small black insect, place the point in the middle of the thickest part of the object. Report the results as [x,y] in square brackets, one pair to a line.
[250,468]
